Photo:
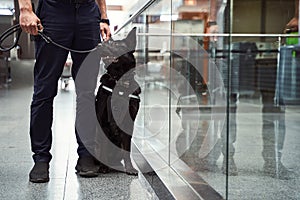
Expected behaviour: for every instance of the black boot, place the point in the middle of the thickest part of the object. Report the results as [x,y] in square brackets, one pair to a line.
[87,167]
[39,173]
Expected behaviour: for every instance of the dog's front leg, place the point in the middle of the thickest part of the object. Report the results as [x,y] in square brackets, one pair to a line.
[126,145]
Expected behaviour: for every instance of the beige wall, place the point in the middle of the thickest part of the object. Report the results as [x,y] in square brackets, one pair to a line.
[278,14]
[247,15]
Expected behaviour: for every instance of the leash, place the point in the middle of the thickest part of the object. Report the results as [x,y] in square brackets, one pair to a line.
[17,29]
[14,29]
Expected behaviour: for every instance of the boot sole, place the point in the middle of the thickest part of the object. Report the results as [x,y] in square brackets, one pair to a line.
[88,174]
[39,180]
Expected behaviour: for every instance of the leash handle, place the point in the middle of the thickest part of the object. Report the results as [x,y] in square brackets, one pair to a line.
[14,29]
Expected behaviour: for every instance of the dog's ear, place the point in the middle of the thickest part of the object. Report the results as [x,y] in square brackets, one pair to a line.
[130,40]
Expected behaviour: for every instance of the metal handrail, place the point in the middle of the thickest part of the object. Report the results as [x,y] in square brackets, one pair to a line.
[220,35]
[137,13]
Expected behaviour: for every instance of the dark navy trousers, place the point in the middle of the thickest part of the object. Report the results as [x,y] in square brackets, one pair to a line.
[75,26]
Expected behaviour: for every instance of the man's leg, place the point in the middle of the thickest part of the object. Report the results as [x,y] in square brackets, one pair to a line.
[47,70]
[229,160]
[87,36]
[273,134]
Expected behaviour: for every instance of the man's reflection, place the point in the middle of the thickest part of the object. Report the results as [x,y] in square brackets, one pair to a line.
[273,135]
[207,128]
[273,116]
[273,128]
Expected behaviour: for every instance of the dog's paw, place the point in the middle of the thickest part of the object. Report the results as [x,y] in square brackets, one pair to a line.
[104,169]
[131,171]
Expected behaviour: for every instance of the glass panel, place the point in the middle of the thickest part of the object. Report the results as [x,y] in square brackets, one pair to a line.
[152,55]
[267,146]
[222,103]
[199,106]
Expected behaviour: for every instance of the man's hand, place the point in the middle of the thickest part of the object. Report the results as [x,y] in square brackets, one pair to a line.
[292,26]
[105,31]
[29,22]
[213,30]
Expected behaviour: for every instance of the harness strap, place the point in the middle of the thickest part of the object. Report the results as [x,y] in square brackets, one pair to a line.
[111,90]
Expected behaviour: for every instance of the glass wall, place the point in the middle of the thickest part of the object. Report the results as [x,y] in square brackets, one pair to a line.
[220,101]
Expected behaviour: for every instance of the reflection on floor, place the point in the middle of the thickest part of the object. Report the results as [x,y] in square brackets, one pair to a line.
[16,161]
[273,174]
[256,179]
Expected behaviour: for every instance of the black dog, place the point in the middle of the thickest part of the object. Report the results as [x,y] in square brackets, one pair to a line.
[117,99]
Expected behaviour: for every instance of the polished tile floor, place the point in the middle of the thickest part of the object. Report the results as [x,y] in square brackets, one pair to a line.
[16,161]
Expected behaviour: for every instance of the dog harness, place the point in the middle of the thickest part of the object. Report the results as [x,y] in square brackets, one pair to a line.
[120,93]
